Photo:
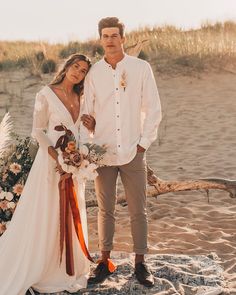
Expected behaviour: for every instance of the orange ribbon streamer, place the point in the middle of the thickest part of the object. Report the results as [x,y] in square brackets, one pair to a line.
[111,266]
[69,210]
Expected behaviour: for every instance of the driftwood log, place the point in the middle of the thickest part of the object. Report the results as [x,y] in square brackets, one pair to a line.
[160,187]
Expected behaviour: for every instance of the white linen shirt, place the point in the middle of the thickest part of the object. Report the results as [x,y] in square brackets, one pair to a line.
[125,116]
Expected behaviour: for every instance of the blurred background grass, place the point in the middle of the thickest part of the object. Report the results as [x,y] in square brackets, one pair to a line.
[168,48]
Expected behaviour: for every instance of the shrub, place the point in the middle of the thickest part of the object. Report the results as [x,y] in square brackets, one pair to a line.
[8,64]
[39,56]
[143,55]
[71,48]
[48,66]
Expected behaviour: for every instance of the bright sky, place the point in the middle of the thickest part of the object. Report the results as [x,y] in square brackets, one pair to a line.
[66,20]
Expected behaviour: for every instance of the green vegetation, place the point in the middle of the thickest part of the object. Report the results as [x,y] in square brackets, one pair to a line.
[168,48]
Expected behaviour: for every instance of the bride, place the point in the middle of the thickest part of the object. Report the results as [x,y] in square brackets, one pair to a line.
[30,247]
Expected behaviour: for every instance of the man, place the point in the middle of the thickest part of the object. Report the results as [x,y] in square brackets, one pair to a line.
[121,93]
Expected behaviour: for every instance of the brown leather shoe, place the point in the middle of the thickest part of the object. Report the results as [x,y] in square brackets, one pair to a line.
[144,275]
[101,272]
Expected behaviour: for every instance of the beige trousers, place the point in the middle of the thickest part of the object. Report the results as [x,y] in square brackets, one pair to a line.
[133,177]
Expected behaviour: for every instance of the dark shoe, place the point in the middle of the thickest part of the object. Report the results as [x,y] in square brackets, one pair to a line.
[143,275]
[101,272]
[30,292]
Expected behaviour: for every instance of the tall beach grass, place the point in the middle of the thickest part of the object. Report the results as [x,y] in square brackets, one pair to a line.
[170,49]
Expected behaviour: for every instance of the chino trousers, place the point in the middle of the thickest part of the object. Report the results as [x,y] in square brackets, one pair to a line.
[133,177]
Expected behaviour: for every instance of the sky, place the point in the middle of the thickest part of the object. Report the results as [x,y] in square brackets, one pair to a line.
[67,20]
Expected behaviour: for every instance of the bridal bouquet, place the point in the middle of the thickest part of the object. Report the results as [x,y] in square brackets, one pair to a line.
[81,161]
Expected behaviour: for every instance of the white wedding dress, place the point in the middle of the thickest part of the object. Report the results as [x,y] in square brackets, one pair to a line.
[30,247]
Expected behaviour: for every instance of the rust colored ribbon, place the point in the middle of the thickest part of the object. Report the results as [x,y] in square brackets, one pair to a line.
[69,210]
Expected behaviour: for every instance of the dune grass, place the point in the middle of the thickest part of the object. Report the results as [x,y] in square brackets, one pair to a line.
[213,46]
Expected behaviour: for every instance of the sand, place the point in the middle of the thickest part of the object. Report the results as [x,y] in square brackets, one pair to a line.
[196,139]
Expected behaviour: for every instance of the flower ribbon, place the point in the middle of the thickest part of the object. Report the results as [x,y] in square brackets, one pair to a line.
[69,210]
[110,264]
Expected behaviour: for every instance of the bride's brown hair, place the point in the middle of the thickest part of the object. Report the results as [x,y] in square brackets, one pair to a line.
[60,75]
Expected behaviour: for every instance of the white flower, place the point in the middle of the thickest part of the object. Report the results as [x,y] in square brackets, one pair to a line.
[84,164]
[84,150]
[15,168]
[92,167]
[11,205]
[3,195]
[60,158]
[9,196]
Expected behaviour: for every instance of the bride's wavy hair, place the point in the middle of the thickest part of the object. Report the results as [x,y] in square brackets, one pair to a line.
[60,75]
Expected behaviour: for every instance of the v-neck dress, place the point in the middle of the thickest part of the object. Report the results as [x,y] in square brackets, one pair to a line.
[30,247]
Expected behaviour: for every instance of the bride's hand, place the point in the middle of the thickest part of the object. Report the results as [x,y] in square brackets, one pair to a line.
[89,122]
[59,169]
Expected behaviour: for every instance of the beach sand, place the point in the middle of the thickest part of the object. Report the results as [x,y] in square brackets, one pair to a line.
[196,140]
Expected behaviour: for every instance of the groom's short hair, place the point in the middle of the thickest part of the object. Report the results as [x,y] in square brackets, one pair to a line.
[111,22]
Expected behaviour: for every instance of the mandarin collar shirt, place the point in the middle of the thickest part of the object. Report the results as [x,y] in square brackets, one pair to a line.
[126,107]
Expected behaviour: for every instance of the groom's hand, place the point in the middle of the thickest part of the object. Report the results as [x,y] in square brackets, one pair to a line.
[140,149]
[88,121]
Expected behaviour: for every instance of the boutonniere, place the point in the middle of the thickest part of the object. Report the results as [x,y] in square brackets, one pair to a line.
[123,81]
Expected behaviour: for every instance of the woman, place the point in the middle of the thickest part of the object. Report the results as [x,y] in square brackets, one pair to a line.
[30,247]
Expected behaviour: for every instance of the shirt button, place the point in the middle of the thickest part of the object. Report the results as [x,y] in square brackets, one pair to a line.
[118,116]
[118,129]
[116,88]
[117,102]
[118,145]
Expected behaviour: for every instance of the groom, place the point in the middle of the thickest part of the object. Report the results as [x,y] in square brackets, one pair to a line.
[121,93]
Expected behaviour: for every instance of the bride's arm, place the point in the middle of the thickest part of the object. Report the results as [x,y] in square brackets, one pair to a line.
[40,124]
[40,121]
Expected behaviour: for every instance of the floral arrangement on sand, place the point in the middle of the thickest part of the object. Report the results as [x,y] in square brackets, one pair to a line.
[16,159]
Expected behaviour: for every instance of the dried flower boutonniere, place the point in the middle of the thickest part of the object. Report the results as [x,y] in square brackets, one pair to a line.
[123,82]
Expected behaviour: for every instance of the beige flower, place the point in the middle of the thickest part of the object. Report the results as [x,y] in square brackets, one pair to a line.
[71,145]
[11,205]
[9,196]
[3,195]
[123,81]
[84,150]
[15,168]
[3,205]
[85,164]
[17,189]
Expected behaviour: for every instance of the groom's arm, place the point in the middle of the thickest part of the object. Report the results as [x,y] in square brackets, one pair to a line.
[151,107]
[87,111]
